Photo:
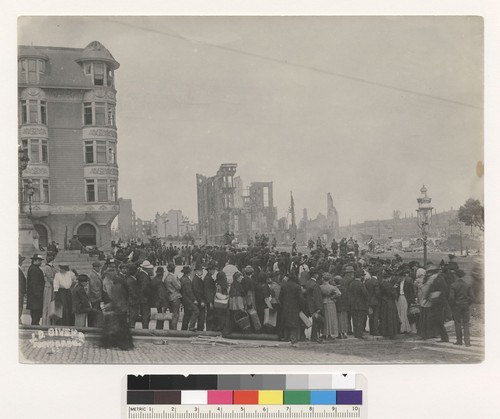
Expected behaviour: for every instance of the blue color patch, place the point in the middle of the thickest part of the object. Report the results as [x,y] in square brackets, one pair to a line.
[323,397]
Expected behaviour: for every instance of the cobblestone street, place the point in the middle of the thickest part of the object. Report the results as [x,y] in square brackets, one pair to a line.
[405,349]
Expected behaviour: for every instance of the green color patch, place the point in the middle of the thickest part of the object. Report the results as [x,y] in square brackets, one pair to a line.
[296,397]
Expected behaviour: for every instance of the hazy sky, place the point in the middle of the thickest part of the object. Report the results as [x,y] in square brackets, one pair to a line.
[368,109]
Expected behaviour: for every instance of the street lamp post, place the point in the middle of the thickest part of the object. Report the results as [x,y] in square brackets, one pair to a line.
[26,229]
[424,217]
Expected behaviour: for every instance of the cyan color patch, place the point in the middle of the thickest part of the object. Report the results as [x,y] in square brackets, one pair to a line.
[323,397]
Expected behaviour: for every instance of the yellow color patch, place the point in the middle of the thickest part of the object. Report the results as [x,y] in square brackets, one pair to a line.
[270,397]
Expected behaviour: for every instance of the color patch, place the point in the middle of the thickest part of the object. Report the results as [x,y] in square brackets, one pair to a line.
[228,382]
[245,397]
[138,382]
[350,397]
[250,382]
[194,397]
[273,382]
[296,397]
[343,381]
[297,382]
[179,382]
[167,397]
[140,397]
[270,397]
[324,397]
[220,397]
[320,382]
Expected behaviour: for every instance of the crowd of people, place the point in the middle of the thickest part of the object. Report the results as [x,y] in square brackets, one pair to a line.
[330,293]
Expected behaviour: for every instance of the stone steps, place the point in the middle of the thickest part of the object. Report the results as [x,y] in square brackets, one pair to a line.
[81,262]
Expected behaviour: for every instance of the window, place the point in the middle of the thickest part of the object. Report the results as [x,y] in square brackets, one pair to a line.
[87,113]
[112,154]
[90,190]
[36,190]
[33,111]
[111,115]
[109,76]
[89,152]
[102,190]
[35,152]
[45,191]
[87,68]
[99,113]
[101,152]
[113,192]
[98,74]
[38,150]
[31,69]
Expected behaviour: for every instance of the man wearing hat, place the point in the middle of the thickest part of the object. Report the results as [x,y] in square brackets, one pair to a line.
[22,287]
[461,298]
[35,285]
[209,290]
[95,295]
[314,304]
[189,301]
[199,293]
[358,298]
[248,285]
[160,296]
[143,277]
[174,294]
[348,278]
[436,296]
[80,301]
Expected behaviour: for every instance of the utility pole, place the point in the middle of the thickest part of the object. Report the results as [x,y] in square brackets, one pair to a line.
[292,210]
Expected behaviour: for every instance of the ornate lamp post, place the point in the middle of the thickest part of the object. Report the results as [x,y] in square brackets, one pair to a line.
[23,161]
[26,229]
[424,217]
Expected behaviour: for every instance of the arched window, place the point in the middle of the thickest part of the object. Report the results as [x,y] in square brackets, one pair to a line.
[87,234]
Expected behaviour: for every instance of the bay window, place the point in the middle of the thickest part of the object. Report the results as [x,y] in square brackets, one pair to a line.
[33,111]
[99,113]
[38,150]
[99,151]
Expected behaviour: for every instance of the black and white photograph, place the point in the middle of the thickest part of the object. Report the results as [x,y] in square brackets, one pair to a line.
[300,190]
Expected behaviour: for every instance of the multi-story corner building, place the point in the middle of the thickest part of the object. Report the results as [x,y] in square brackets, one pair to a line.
[216,198]
[224,206]
[126,220]
[67,125]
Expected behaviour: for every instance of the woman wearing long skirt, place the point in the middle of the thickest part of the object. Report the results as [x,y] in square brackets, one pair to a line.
[221,292]
[63,282]
[329,292]
[405,298]
[389,319]
[49,271]
[342,306]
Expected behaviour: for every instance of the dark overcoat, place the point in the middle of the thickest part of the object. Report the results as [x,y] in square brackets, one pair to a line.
[292,302]
[34,289]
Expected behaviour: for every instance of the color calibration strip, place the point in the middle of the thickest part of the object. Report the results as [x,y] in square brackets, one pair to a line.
[319,389]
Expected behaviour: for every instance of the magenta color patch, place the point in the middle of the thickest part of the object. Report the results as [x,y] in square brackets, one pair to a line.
[220,397]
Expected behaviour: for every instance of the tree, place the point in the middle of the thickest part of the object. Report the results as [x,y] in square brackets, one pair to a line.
[472,214]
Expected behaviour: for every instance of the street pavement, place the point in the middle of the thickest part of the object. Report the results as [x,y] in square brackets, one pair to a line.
[173,350]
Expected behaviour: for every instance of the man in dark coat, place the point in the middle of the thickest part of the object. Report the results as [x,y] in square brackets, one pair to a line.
[314,304]
[437,296]
[35,285]
[159,295]
[209,290]
[292,302]
[22,287]
[199,293]
[189,301]
[358,299]
[373,287]
[143,276]
[461,297]
[127,277]
[348,278]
